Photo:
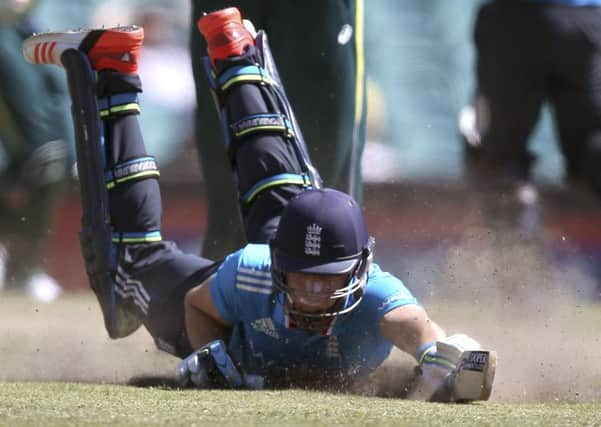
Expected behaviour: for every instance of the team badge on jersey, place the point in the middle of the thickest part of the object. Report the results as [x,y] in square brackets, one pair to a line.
[313,240]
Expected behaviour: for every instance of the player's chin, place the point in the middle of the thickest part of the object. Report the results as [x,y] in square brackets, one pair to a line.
[312,307]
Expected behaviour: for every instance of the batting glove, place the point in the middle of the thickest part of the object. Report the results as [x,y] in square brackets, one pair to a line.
[457,369]
[210,367]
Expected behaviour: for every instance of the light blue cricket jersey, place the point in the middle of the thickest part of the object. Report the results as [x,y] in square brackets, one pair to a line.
[243,294]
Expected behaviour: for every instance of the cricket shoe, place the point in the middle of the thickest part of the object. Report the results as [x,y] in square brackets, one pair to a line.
[226,33]
[115,48]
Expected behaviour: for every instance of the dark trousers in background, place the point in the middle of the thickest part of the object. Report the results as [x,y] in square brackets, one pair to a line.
[530,53]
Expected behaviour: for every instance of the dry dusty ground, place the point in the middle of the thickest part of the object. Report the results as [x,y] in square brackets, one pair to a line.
[546,336]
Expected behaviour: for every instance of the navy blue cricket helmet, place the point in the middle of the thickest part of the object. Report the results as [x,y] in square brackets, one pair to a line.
[323,231]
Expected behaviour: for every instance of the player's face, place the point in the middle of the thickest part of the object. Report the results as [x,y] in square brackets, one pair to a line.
[312,293]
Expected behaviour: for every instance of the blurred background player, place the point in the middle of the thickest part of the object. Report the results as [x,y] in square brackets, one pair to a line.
[532,52]
[327,89]
[34,156]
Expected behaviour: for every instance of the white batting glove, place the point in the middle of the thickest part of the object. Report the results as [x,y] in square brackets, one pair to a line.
[456,369]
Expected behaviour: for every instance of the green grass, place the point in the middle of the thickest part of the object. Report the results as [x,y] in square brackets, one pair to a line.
[58,404]
[545,359]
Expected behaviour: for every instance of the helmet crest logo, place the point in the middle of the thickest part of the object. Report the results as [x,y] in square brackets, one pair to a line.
[313,240]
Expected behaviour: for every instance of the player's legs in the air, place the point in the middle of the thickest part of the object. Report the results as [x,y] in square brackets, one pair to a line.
[322,69]
[137,277]
[264,143]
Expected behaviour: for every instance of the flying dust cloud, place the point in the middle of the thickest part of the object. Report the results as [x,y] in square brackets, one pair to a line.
[501,290]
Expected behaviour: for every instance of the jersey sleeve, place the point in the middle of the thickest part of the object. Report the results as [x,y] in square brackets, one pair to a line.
[387,292]
[223,288]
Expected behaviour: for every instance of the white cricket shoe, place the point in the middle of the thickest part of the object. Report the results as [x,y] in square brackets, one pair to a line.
[115,48]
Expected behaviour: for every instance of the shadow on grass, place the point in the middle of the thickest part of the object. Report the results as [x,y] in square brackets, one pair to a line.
[155,381]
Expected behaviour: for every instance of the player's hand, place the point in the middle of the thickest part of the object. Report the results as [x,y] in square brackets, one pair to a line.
[210,367]
[456,369]
[192,371]
[473,378]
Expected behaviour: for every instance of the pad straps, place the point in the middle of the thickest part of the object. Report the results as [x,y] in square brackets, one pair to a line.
[128,171]
[137,237]
[275,120]
[243,74]
[275,181]
[265,122]
[135,169]
[119,104]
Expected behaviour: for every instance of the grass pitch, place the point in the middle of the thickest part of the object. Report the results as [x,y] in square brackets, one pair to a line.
[58,404]
[57,367]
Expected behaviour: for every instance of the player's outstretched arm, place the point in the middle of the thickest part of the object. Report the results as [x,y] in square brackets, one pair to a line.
[451,368]
[210,366]
[409,327]
[203,322]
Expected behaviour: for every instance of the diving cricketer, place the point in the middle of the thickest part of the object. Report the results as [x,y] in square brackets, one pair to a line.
[303,300]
